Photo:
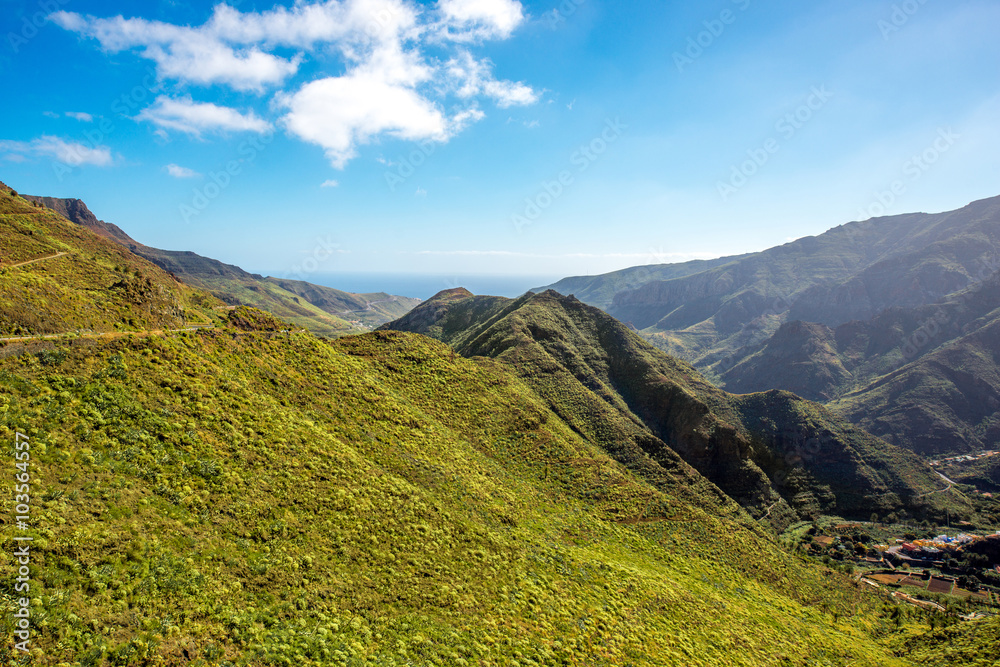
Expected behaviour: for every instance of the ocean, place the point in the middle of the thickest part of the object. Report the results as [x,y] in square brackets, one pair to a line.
[422,286]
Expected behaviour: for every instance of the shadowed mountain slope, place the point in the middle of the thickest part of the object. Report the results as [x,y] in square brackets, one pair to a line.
[926,378]
[889,321]
[775,454]
[851,272]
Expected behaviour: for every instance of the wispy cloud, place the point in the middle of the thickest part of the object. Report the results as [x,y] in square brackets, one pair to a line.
[178,171]
[330,183]
[196,55]
[186,115]
[390,86]
[77,115]
[473,78]
[70,153]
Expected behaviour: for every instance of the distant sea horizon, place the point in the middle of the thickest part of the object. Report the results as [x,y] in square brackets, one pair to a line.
[424,286]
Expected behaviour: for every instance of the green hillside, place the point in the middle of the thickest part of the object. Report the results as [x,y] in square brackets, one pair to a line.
[272,499]
[778,456]
[57,277]
[248,494]
[323,310]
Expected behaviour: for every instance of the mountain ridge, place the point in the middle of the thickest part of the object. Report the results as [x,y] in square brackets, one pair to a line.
[596,372]
[324,310]
[828,317]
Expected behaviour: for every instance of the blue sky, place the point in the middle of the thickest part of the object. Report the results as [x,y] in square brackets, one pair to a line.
[494,137]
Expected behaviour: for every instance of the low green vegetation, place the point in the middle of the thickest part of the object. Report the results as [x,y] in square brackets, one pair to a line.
[268,498]
[781,458]
[323,310]
[79,281]
[247,493]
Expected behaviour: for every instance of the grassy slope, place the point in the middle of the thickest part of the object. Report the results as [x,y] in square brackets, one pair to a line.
[97,285]
[777,455]
[975,644]
[274,499]
[285,298]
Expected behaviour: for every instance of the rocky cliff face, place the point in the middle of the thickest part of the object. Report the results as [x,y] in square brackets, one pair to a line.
[76,211]
[926,378]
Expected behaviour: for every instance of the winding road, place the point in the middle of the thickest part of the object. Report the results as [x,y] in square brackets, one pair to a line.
[32,261]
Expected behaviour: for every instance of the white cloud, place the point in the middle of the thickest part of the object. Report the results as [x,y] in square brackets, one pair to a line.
[178,171]
[70,153]
[330,183]
[338,113]
[473,78]
[481,18]
[80,116]
[420,192]
[187,54]
[185,115]
[389,87]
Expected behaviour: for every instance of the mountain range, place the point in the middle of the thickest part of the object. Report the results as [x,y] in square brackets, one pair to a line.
[483,481]
[779,457]
[890,322]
